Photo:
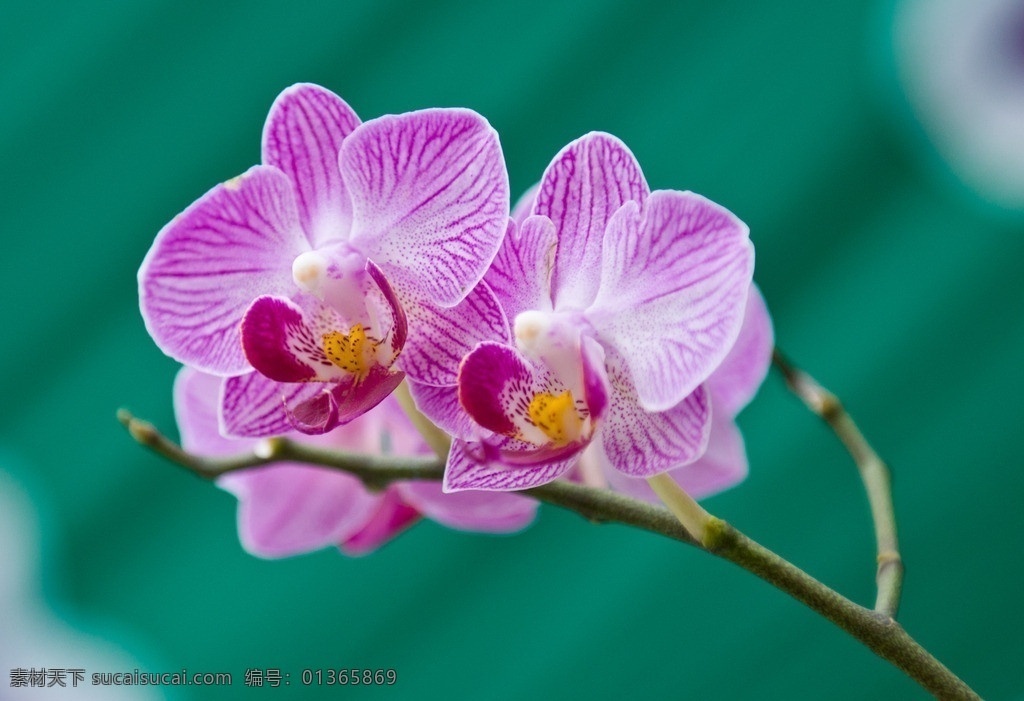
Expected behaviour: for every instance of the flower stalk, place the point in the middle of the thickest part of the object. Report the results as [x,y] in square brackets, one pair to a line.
[879,632]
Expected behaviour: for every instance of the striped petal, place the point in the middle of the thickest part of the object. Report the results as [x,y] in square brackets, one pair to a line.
[237,242]
[430,198]
[505,465]
[302,137]
[441,405]
[643,443]
[254,406]
[583,186]
[674,283]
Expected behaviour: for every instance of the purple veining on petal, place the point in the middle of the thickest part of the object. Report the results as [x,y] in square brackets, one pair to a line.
[723,465]
[674,283]
[520,274]
[644,443]
[487,377]
[233,244]
[439,338]
[280,345]
[583,186]
[493,512]
[302,136]
[254,406]
[735,382]
[430,198]
[508,465]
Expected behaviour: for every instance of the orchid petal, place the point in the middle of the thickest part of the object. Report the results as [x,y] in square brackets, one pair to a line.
[288,509]
[506,466]
[441,405]
[281,343]
[488,512]
[341,402]
[723,465]
[440,337]
[254,406]
[430,198]
[733,383]
[583,186]
[302,136]
[520,274]
[644,443]
[233,244]
[674,284]
[195,410]
[494,381]
[392,517]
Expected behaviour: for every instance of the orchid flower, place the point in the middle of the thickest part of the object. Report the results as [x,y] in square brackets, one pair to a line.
[286,509]
[304,268]
[622,302]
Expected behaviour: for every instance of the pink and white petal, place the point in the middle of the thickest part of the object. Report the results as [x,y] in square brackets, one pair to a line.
[722,466]
[489,512]
[674,285]
[508,465]
[583,186]
[520,274]
[524,206]
[391,518]
[255,406]
[735,382]
[280,340]
[302,137]
[340,402]
[290,509]
[195,409]
[441,405]
[210,262]
[394,308]
[430,198]
[439,337]
[643,443]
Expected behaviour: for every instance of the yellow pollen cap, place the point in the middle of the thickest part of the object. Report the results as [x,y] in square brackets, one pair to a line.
[556,416]
[351,352]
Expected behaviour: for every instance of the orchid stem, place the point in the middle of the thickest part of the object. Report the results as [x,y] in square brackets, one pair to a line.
[880,633]
[873,472]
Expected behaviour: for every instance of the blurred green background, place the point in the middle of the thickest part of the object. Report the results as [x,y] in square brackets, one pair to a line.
[893,284]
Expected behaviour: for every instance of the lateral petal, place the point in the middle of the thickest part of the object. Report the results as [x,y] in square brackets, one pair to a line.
[507,465]
[430,198]
[520,274]
[674,282]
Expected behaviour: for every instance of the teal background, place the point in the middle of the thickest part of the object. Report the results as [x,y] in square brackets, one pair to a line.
[894,285]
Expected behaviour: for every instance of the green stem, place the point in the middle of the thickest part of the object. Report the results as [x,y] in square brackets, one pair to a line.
[873,472]
[878,632]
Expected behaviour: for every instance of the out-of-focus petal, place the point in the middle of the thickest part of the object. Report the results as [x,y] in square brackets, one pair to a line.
[289,509]
[644,443]
[302,136]
[674,282]
[583,186]
[723,465]
[472,511]
[506,465]
[520,274]
[195,410]
[391,518]
[735,382]
[440,337]
[430,198]
[205,267]
[254,406]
